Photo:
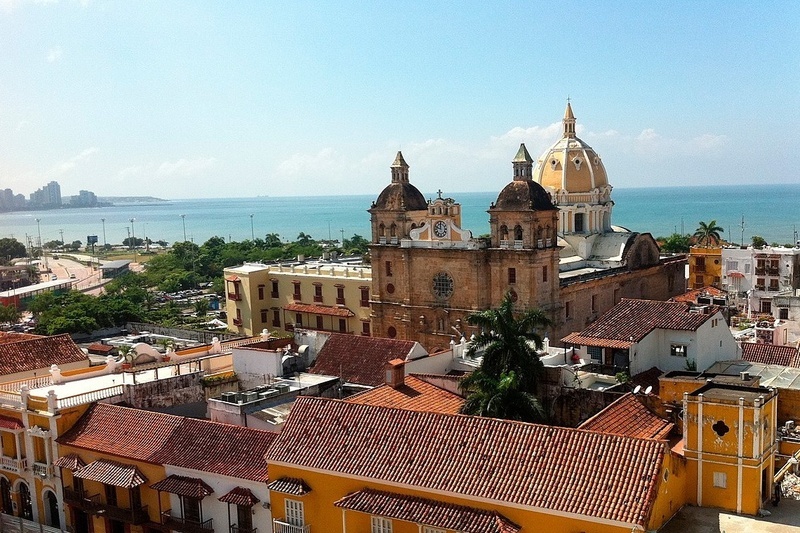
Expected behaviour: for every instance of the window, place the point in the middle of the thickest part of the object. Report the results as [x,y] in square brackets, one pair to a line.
[296,294]
[343,325]
[317,292]
[721,480]
[276,318]
[391,332]
[747,268]
[191,509]
[388,266]
[773,284]
[568,310]
[260,292]
[783,313]
[678,350]
[616,296]
[594,303]
[298,319]
[365,329]
[512,276]
[732,265]
[381,525]
[244,518]
[428,529]
[578,222]
[595,352]
[544,273]
[340,295]
[263,316]
[294,512]
[442,285]
[760,284]
[700,263]
[364,297]
[319,322]
[766,307]
[111,494]
[136,498]
[274,288]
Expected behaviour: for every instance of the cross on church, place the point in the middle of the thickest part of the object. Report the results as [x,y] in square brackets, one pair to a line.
[439,192]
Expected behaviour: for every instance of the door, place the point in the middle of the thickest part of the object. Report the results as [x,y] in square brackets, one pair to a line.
[294,513]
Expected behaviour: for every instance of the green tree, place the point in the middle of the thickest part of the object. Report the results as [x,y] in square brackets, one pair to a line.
[201,307]
[675,243]
[9,314]
[510,369]
[708,234]
[10,249]
[304,239]
[272,240]
[758,242]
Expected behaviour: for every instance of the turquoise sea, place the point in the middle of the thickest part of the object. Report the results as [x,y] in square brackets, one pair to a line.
[771,211]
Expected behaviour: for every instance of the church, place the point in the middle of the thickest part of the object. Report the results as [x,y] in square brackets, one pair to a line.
[552,246]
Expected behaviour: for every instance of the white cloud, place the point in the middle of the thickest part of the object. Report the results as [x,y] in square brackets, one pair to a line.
[327,161]
[185,167]
[54,54]
[72,162]
[536,139]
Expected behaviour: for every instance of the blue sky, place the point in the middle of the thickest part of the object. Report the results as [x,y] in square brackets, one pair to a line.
[231,99]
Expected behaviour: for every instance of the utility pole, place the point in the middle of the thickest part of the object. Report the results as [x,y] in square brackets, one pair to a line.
[61,231]
[252,230]
[133,239]
[183,219]
[104,231]
[742,245]
[41,246]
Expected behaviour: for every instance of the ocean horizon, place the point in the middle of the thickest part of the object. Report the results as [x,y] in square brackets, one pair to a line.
[771,213]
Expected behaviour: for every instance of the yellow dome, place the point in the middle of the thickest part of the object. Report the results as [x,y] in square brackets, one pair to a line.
[570,164]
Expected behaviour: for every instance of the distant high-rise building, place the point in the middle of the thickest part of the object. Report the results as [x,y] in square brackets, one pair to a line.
[47,196]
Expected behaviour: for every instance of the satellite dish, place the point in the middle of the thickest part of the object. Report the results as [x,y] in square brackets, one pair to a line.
[648,390]
[637,389]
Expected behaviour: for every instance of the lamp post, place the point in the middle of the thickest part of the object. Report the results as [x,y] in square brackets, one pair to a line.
[41,246]
[104,231]
[183,219]
[252,230]
[133,239]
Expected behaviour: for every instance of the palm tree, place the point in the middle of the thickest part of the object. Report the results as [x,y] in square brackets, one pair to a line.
[708,233]
[506,342]
[500,398]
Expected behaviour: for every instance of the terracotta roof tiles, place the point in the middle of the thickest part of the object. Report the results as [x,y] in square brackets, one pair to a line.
[71,461]
[771,354]
[692,295]
[414,394]
[290,485]
[551,468]
[40,352]
[358,359]
[635,319]
[13,336]
[9,422]
[319,309]
[240,496]
[111,473]
[629,416]
[160,438]
[429,512]
[183,486]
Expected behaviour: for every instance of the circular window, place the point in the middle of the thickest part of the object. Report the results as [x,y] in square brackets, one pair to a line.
[442,285]
[513,295]
[390,288]
[391,332]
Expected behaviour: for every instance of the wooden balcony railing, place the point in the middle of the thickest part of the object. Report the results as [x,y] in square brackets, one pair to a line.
[185,525]
[235,296]
[133,516]
[285,527]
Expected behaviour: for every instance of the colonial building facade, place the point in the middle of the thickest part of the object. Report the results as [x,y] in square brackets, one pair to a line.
[552,246]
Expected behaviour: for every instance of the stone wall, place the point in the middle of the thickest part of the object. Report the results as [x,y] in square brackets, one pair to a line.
[204,337]
[168,392]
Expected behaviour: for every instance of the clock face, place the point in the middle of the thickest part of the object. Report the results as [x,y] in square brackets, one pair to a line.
[440,229]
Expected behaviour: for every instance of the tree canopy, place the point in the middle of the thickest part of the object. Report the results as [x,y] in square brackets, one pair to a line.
[11,249]
[708,234]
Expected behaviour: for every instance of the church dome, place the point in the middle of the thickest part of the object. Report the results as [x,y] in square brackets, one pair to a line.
[570,164]
[400,194]
[521,195]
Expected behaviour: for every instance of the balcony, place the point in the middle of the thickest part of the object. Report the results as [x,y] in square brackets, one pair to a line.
[185,525]
[274,294]
[237,529]
[363,303]
[80,500]
[42,470]
[339,301]
[237,322]
[318,298]
[285,527]
[505,244]
[9,464]
[518,245]
[134,516]
[235,296]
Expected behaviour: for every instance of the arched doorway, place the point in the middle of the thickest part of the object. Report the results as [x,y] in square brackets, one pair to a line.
[52,517]
[26,506]
[5,497]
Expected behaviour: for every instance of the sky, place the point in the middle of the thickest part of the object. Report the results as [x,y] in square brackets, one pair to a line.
[201,99]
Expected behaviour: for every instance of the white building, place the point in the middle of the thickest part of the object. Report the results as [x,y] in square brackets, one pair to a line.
[753,278]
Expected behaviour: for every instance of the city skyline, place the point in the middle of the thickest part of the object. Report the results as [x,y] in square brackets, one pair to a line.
[185,100]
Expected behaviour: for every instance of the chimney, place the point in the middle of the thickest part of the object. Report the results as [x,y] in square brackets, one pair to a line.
[395,372]
[745,376]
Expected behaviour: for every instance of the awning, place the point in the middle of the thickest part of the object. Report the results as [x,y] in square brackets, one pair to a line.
[320,310]
[429,512]
[581,340]
[71,462]
[735,274]
[240,496]
[290,485]
[111,473]
[183,486]
[232,278]
[9,422]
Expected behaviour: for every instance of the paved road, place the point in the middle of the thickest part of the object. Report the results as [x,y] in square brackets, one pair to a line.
[84,277]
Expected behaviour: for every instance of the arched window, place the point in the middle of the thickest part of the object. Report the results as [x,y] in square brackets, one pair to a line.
[382,230]
[5,497]
[393,230]
[504,232]
[26,506]
[51,509]
[518,232]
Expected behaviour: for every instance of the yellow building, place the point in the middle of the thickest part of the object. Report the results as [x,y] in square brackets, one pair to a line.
[730,444]
[340,466]
[323,295]
[705,267]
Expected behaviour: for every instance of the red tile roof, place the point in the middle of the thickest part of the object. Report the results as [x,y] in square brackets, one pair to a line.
[13,336]
[183,486]
[691,295]
[100,348]
[319,309]
[415,394]
[160,438]
[358,359]
[111,473]
[771,354]
[9,422]
[240,496]
[629,416]
[290,485]
[636,319]
[71,461]
[38,353]
[564,470]
[429,512]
